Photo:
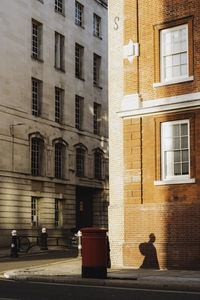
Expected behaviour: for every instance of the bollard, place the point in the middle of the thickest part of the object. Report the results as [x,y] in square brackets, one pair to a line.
[43,239]
[14,244]
[79,243]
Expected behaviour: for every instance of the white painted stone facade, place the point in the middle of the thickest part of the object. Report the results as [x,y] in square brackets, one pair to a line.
[116,208]
[17,67]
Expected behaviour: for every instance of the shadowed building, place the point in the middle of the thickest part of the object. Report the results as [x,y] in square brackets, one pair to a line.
[53,116]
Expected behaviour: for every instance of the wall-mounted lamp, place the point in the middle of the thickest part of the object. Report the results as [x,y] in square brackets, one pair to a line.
[13,125]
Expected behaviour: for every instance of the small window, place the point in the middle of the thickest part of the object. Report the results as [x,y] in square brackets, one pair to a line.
[36,40]
[175,147]
[79,13]
[34,211]
[58,213]
[96,69]
[97,118]
[36,156]
[174,52]
[96,25]
[36,97]
[80,162]
[78,112]
[79,50]
[59,95]
[59,51]
[98,165]
[59,6]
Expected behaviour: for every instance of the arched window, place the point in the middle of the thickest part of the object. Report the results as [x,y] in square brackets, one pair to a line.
[97,165]
[37,147]
[80,162]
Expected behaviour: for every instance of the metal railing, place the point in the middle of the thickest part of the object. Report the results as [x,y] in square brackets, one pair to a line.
[25,243]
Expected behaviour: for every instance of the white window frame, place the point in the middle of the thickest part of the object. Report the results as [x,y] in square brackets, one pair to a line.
[79,57]
[172,79]
[97,118]
[35,211]
[79,105]
[79,14]
[36,97]
[59,51]
[163,151]
[59,96]
[96,69]
[36,40]
[96,25]
[59,6]
[58,217]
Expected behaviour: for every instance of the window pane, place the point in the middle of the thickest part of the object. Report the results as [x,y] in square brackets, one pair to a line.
[176,143]
[168,72]
[177,169]
[176,59]
[168,37]
[176,47]
[168,144]
[185,168]
[175,36]
[184,142]
[183,58]
[176,130]
[184,129]
[174,52]
[184,70]
[168,49]
[183,33]
[168,130]
[176,71]
[185,155]
[169,163]
[168,61]
[183,46]
[176,152]
[177,156]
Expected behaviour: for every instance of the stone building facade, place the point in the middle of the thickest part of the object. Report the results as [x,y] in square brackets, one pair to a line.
[53,116]
[154,106]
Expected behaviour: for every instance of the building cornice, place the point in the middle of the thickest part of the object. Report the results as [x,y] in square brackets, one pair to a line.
[133,107]
[104,3]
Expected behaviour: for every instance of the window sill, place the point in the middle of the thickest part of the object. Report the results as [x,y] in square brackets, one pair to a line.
[174,81]
[59,69]
[97,36]
[60,13]
[175,181]
[81,26]
[97,86]
[37,59]
[78,77]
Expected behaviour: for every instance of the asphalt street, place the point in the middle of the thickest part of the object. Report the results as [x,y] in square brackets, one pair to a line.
[28,290]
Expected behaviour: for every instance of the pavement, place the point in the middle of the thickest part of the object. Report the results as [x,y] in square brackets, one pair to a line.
[69,271]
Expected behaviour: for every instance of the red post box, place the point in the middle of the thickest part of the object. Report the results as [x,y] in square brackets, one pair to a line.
[94,253]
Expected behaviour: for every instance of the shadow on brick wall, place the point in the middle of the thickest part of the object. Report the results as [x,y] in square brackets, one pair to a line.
[148,250]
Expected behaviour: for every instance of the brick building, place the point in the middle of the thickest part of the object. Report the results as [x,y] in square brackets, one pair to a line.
[53,116]
[154,104]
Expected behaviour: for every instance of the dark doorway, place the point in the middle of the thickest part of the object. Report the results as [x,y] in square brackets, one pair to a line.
[84,202]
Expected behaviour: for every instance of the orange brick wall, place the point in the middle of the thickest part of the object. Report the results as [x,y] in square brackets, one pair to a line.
[170,212]
[152,13]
